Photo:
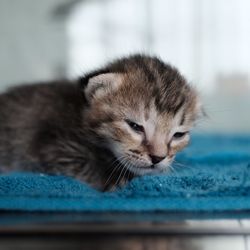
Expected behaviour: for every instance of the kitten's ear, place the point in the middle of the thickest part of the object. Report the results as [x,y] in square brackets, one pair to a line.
[100,85]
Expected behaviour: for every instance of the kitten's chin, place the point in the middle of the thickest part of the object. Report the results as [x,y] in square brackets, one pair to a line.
[140,170]
[148,169]
[159,168]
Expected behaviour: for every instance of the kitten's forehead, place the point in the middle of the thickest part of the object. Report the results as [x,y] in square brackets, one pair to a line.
[160,82]
[155,121]
[165,121]
[149,90]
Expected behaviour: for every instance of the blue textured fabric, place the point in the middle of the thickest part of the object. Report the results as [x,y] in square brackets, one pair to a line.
[212,174]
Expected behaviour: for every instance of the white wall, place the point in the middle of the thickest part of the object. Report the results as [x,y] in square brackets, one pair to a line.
[204,38]
[32,42]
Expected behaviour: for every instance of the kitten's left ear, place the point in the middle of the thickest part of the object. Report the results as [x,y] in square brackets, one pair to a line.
[100,85]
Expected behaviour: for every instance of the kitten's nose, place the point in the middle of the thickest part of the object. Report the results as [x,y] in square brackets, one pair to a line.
[156,159]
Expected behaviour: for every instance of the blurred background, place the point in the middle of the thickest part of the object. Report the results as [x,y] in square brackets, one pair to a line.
[208,40]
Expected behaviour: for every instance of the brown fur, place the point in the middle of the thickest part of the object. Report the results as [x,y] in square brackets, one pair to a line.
[81,128]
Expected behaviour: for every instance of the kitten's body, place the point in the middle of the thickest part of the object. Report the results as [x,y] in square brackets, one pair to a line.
[80,128]
[41,130]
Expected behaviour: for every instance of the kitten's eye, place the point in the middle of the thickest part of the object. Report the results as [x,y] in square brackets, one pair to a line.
[136,127]
[179,135]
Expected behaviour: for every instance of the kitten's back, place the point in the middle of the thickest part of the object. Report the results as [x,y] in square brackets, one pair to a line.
[25,110]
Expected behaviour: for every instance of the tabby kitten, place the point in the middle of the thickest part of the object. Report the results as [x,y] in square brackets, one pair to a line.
[127,119]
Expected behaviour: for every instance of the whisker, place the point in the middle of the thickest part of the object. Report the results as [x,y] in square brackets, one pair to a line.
[126,166]
[172,169]
[128,171]
[120,162]
[117,180]
[180,165]
[116,160]
[124,175]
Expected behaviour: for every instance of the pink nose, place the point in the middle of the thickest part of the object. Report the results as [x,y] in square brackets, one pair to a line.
[156,159]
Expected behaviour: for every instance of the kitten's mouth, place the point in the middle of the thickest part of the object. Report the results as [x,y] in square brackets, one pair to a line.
[149,168]
[152,166]
[142,169]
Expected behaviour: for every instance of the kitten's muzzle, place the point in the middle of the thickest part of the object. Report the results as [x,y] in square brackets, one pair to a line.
[156,159]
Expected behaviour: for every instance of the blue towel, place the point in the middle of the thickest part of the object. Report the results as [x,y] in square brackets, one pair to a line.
[212,174]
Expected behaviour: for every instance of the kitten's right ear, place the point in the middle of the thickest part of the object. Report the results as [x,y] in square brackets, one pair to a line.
[100,85]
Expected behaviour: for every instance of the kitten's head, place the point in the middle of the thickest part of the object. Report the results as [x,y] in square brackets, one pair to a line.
[143,110]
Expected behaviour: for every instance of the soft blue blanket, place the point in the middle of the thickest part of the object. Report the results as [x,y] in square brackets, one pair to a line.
[212,174]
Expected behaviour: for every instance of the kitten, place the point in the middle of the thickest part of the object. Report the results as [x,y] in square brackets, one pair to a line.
[127,119]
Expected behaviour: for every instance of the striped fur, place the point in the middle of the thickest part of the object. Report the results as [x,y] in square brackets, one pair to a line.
[83,128]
